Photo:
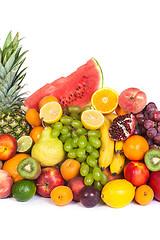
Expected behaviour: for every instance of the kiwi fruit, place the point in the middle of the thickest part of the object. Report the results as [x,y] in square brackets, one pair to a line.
[29,168]
[152,160]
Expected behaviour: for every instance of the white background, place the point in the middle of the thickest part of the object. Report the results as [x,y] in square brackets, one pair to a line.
[124,37]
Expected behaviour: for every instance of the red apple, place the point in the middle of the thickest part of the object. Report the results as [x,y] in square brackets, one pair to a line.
[76,184]
[132,100]
[154,183]
[49,178]
[112,177]
[5,184]
[8,146]
[136,172]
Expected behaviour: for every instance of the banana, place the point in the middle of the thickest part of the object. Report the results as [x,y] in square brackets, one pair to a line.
[118,146]
[111,116]
[117,164]
[107,146]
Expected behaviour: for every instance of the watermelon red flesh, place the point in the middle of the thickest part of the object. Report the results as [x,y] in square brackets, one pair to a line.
[75,89]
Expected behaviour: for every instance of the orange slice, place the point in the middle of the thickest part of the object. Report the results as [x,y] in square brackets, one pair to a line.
[105,100]
[92,119]
[51,112]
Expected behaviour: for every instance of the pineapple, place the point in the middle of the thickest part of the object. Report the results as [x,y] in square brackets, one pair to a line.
[12,119]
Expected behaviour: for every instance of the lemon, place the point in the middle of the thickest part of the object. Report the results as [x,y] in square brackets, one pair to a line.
[51,112]
[118,193]
[92,119]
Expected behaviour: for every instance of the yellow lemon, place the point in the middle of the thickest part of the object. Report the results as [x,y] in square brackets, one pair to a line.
[118,193]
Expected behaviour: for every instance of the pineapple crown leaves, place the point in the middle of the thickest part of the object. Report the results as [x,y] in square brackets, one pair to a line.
[11,60]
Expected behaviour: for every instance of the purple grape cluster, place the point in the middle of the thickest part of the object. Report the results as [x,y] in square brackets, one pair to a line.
[148,124]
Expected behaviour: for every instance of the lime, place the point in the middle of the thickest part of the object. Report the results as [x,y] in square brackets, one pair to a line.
[24,144]
[23,190]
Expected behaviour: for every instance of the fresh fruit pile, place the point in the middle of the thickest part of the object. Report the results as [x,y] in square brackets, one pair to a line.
[81,141]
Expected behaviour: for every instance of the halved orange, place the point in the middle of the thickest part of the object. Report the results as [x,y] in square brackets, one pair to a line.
[47,99]
[51,112]
[105,100]
[92,119]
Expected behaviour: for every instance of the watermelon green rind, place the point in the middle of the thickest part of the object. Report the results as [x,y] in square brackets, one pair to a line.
[77,88]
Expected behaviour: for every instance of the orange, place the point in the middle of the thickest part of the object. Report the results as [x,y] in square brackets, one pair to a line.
[70,168]
[51,112]
[105,100]
[144,195]
[11,165]
[36,133]
[120,111]
[32,117]
[47,99]
[61,195]
[92,119]
[135,147]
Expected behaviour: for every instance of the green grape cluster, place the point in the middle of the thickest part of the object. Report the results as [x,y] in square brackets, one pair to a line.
[81,144]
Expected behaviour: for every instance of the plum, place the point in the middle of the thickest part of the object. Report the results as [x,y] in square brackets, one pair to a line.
[89,196]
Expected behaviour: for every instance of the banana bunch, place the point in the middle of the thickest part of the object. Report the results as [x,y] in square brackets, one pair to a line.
[111,153]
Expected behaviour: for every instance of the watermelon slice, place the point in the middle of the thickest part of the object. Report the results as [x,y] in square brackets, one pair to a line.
[75,89]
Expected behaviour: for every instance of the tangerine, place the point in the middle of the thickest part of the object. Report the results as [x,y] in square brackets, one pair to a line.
[36,133]
[70,168]
[120,111]
[61,195]
[47,99]
[32,117]
[144,195]
[135,147]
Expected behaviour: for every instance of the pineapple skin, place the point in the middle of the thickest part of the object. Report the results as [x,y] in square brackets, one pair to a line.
[14,124]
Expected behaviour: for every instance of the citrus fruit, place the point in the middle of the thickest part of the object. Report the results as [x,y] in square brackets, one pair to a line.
[118,193]
[120,111]
[24,144]
[105,100]
[92,119]
[51,112]
[32,117]
[61,195]
[47,99]
[36,133]
[11,165]
[23,190]
[70,168]
[144,195]
[135,147]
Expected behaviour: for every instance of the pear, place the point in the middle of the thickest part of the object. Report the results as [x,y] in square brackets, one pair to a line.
[48,151]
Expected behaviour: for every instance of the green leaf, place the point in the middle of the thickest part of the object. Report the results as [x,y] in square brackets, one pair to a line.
[15,40]
[10,62]
[8,40]
[2,71]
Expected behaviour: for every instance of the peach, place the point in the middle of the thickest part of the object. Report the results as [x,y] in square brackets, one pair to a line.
[76,184]
[132,100]
[112,177]
[1,164]
[8,146]
[5,184]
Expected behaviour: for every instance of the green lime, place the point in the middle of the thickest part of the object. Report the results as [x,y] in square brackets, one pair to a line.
[23,190]
[24,144]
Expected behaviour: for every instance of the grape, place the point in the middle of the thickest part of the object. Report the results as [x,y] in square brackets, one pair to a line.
[139,115]
[72,153]
[148,124]
[66,120]
[65,111]
[58,125]
[84,170]
[68,145]
[158,128]
[95,153]
[95,142]
[81,152]
[140,120]
[75,116]
[156,116]
[97,174]
[65,136]
[75,142]
[64,130]
[151,133]
[137,131]
[104,178]
[55,133]
[86,108]
[81,131]
[89,148]
[82,142]
[151,107]
[91,161]
[74,109]
[76,124]
[88,180]
[157,139]
[74,134]
[94,133]
[82,159]
[98,185]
